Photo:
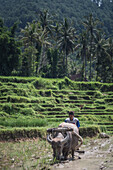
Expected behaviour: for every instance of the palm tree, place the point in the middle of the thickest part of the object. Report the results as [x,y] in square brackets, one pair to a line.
[110,51]
[56,31]
[29,41]
[66,41]
[101,47]
[35,38]
[43,39]
[82,50]
[44,36]
[90,25]
[45,20]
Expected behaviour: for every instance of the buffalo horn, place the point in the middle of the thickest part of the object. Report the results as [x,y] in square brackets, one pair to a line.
[81,139]
[48,139]
[65,139]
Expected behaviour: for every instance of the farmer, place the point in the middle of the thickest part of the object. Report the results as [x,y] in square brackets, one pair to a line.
[73,120]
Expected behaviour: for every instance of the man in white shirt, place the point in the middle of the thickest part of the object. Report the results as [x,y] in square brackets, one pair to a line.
[73,120]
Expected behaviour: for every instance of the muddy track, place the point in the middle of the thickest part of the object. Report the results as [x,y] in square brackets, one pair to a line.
[98,156]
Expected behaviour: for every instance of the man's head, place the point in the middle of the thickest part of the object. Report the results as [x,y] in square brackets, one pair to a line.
[71,115]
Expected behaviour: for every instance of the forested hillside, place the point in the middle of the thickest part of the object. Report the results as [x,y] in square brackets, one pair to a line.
[58,40]
[25,11]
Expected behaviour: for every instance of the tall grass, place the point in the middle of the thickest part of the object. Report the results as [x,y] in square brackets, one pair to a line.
[23,122]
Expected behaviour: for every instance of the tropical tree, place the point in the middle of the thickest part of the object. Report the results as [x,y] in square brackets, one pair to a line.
[110,51]
[44,37]
[45,20]
[9,50]
[82,49]
[29,40]
[66,41]
[100,50]
[90,25]
[103,58]
[35,40]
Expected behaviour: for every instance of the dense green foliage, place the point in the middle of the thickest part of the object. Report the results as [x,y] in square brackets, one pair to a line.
[53,46]
[53,49]
[25,11]
[9,50]
[32,102]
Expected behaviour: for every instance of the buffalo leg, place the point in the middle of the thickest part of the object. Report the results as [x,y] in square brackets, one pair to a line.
[65,154]
[72,154]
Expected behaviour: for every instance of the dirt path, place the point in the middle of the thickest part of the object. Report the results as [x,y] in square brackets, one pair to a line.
[98,156]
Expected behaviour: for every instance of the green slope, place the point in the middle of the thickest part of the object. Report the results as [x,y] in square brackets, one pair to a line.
[32,102]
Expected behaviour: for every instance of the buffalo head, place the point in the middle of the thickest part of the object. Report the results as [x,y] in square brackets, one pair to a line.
[57,144]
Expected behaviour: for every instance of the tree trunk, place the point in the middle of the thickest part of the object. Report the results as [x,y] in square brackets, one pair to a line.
[85,64]
[90,77]
[90,67]
[66,58]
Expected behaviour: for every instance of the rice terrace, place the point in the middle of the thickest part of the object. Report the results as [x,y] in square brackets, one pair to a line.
[56,85]
[29,106]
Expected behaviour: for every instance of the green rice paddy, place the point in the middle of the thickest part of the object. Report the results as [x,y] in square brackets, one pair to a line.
[39,102]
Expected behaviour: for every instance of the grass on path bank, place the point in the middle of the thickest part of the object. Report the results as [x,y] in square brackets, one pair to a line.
[30,154]
[14,134]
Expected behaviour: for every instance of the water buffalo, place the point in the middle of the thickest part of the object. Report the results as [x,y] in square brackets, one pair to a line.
[64,139]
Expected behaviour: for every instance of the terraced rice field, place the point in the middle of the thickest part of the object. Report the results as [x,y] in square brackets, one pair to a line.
[51,99]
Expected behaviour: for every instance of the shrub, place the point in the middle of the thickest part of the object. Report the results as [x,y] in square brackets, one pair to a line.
[89,131]
[61,85]
[3,114]
[27,111]
[8,108]
[67,81]
[42,83]
[107,87]
[48,93]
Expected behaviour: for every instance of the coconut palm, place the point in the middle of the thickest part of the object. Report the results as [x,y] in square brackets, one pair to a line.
[101,47]
[110,51]
[90,25]
[56,31]
[82,50]
[46,21]
[66,41]
[43,38]
[29,40]
[35,38]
